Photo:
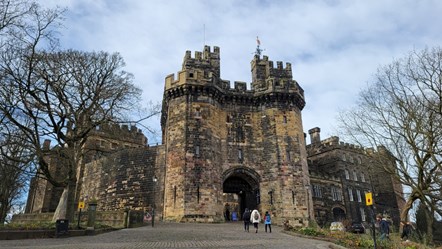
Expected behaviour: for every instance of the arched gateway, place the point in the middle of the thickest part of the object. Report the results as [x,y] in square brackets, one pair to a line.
[241,190]
[232,148]
[338,213]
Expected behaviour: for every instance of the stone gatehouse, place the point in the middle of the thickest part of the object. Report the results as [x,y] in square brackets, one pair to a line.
[222,149]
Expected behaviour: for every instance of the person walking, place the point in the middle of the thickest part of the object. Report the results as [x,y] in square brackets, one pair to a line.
[255,218]
[406,231]
[227,214]
[267,221]
[246,219]
[385,229]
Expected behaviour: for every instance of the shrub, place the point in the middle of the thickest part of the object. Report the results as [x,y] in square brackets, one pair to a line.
[311,231]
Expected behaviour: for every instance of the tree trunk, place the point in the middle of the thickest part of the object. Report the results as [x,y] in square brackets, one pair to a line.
[66,206]
[60,212]
[408,205]
[3,212]
[429,217]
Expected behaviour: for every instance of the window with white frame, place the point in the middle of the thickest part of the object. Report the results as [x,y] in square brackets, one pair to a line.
[362,214]
[317,191]
[336,193]
[350,194]
[347,174]
[355,176]
[358,194]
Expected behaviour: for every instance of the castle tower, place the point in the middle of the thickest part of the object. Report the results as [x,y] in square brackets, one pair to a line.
[233,148]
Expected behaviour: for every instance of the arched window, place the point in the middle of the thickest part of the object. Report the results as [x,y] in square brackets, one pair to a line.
[350,194]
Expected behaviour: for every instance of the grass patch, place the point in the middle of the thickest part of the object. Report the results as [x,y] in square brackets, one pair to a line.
[350,240]
[43,225]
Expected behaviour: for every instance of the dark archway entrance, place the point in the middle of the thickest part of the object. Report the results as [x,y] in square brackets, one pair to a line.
[338,214]
[240,190]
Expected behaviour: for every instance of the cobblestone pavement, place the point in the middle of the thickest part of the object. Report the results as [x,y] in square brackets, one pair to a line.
[176,235]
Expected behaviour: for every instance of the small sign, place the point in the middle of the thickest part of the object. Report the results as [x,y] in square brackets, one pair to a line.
[81,204]
[368,199]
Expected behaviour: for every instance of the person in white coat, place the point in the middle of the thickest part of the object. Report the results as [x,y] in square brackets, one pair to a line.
[255,218]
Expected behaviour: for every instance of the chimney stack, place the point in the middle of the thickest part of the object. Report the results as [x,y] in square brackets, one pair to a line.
[315,136]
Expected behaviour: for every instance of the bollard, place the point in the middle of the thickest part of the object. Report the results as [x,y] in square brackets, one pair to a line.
[91,213]
[126,218]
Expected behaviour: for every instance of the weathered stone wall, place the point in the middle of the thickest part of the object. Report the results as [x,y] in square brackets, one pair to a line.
[116,219]
[125,180]
[357,172]
[103,141]
[214,134]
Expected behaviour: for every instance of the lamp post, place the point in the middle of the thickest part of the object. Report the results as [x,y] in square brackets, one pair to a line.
[154,179]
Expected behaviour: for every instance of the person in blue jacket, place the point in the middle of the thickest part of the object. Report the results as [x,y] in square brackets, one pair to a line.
[267,221]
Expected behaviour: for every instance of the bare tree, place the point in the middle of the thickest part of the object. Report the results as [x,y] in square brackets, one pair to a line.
[16,168]
[57,95]
[401,111]
[65,95]
[12,14]
[23,25]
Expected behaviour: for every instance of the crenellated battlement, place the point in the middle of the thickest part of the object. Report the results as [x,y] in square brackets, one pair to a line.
[124,132]
[265,75]
[275,72]
[201,73]
[207,54]
[335,143]
[203,68]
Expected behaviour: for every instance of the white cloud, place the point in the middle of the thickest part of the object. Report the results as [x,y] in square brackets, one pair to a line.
[334,46]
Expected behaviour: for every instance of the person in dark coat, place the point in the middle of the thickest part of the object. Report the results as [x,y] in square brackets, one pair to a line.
[385,229]
[406,230]
[246,219]
[227,214]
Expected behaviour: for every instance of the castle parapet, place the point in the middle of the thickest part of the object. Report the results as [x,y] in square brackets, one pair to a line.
[203,71]
[122,132]
[240,86]
[203,68]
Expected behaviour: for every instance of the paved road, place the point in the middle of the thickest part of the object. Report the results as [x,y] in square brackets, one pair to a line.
[171,235]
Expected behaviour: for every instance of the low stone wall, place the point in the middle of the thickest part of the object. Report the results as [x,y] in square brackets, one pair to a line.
[26,218]
[116,219]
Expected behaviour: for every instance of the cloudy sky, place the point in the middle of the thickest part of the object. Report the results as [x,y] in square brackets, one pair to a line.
[334,46]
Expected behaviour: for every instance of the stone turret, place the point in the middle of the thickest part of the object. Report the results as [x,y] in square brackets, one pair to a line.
[266,77]
[203,68]
[232,148]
